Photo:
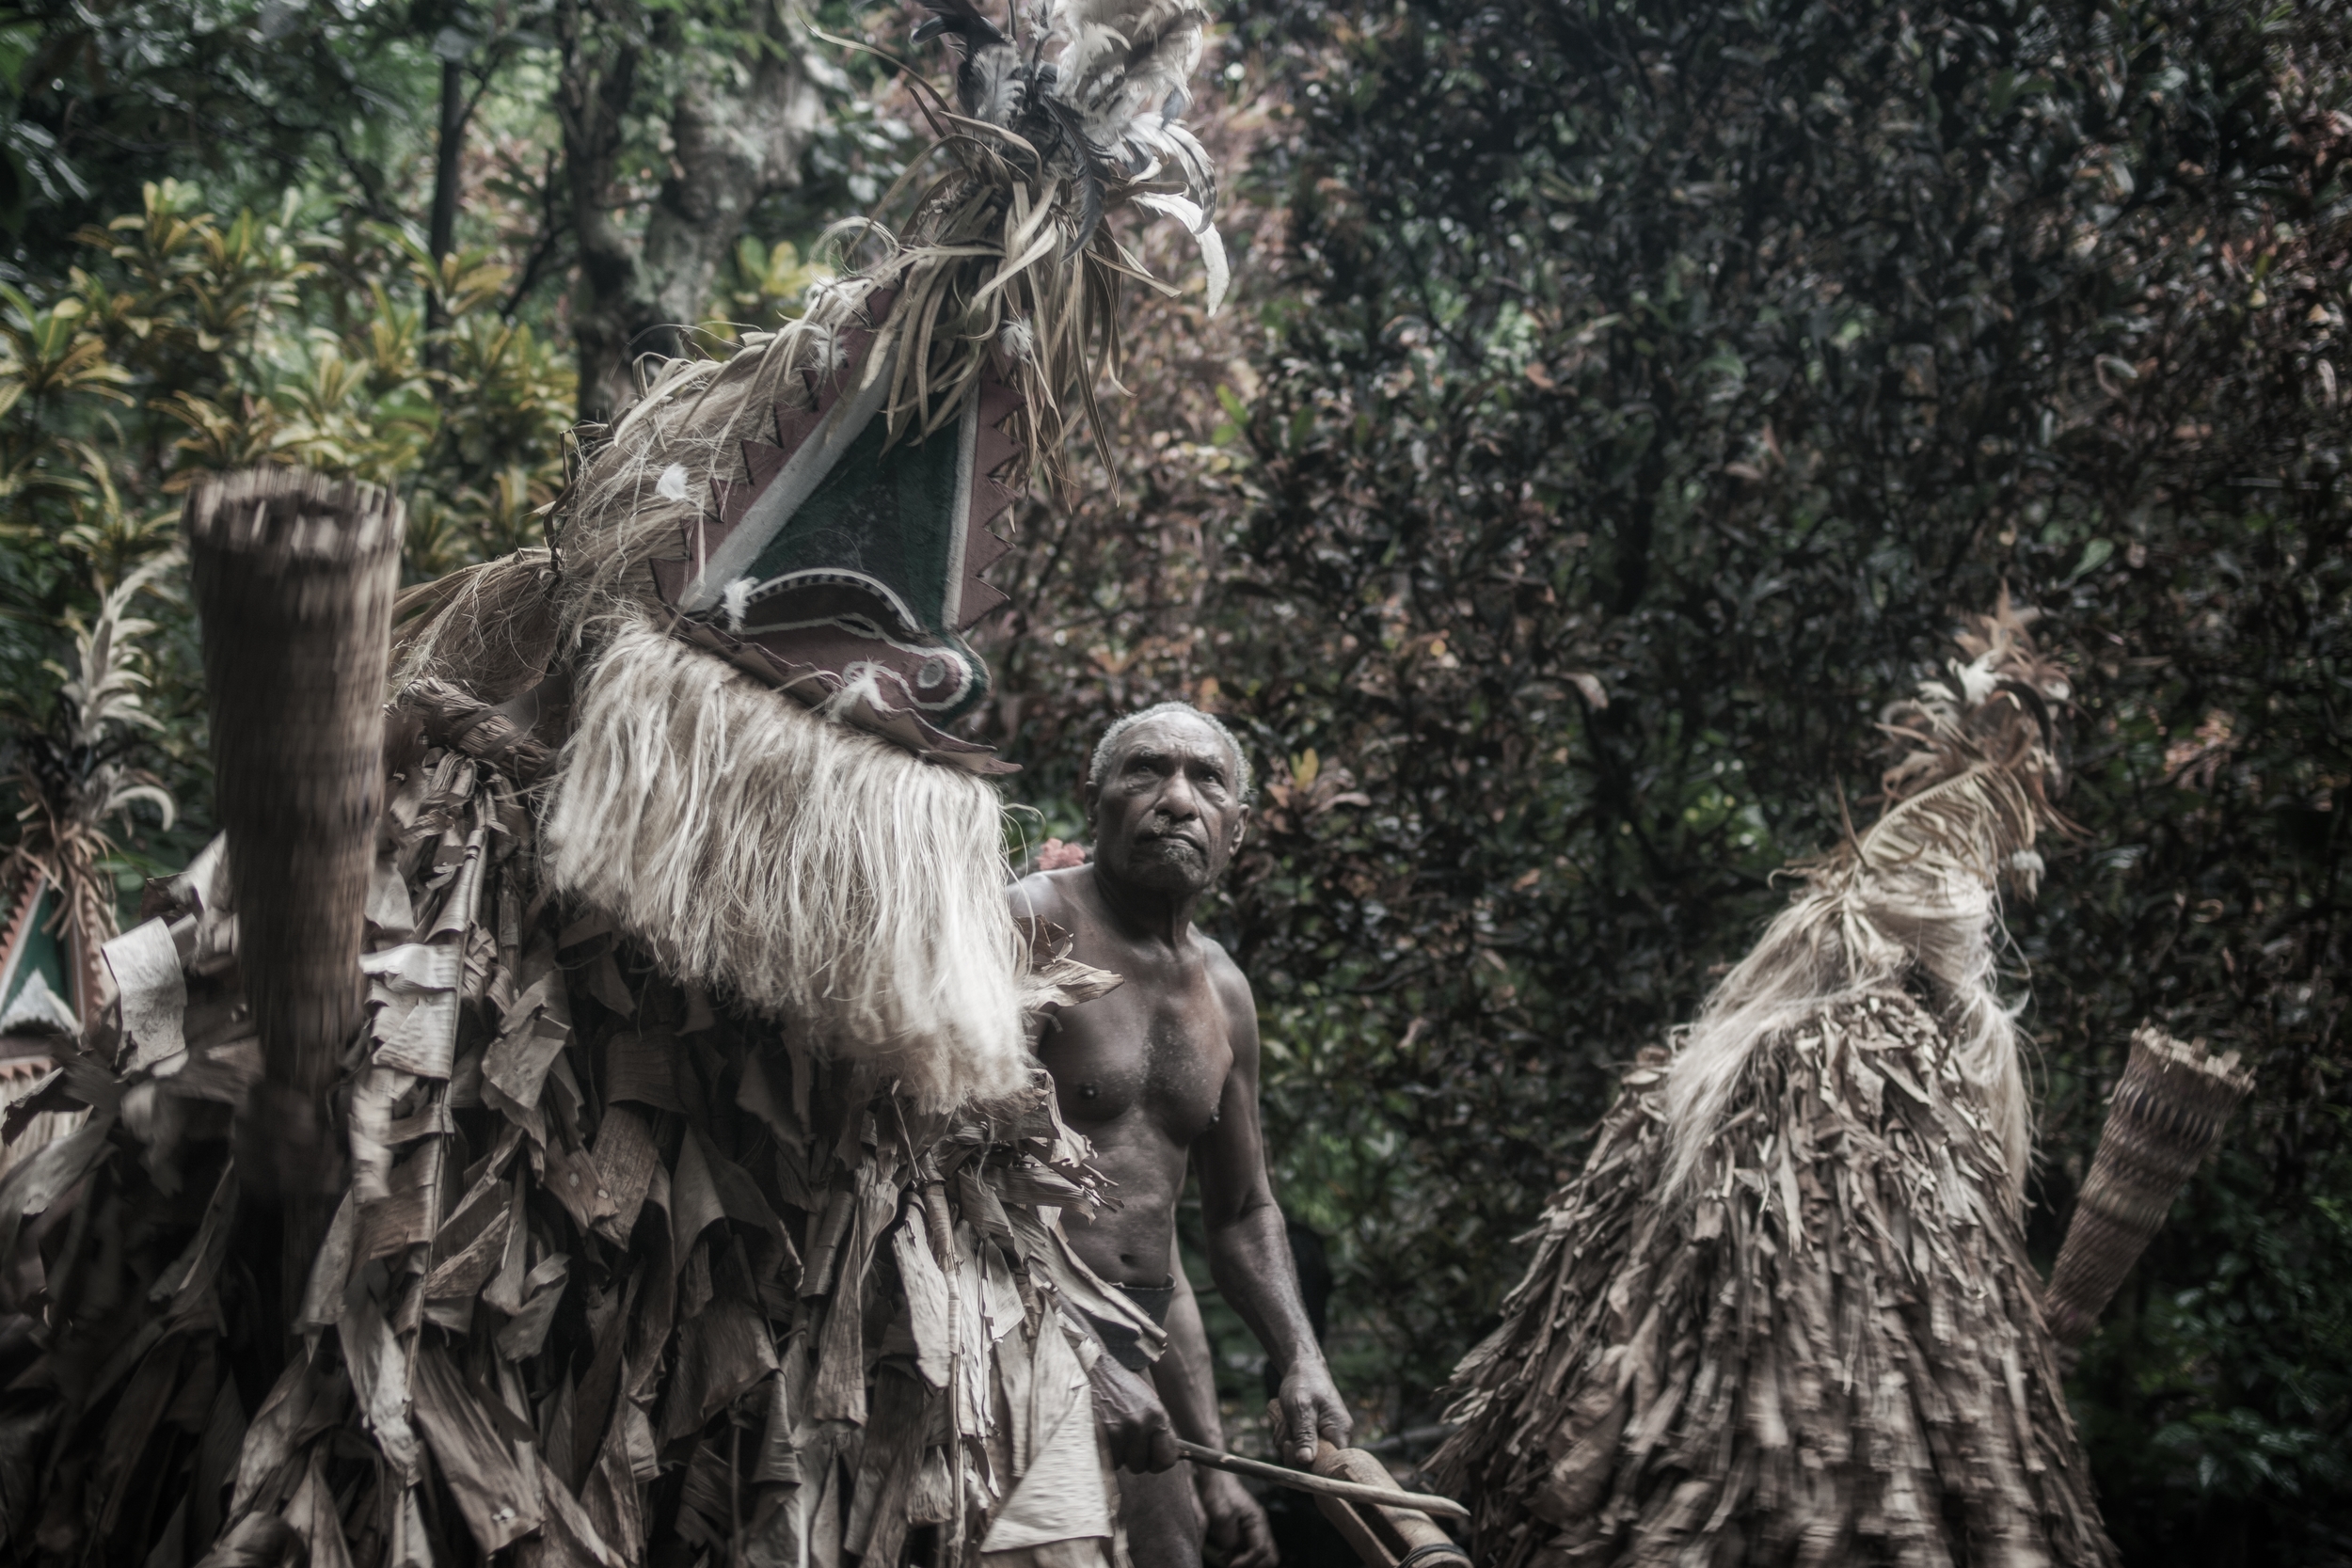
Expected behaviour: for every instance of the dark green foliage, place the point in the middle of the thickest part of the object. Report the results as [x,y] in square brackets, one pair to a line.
[1716,359]
[1709,359]
[254,97]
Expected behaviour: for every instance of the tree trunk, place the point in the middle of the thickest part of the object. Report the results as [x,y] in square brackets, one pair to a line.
[442,237]
[739,124]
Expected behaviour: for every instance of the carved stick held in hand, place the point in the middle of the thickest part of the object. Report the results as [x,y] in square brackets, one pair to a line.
[295,574]
[1400,1533]
[1342,1484]
[1386,1526]
[2168,1114]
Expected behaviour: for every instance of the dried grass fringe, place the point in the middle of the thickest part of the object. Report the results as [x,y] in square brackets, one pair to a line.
[651,476]
[1914,898]
[804,868]
[488,628]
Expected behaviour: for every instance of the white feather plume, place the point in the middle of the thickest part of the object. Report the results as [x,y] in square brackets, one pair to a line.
[1115,74]
[1123,66]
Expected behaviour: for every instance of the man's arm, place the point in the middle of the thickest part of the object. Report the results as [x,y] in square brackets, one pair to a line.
[1187,1379]
[1249,1250]
[1134,1422]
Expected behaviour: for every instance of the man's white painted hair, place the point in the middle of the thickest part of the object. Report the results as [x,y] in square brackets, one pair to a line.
[1109,743]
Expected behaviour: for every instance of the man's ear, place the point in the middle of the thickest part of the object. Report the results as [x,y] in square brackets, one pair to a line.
[1241,826]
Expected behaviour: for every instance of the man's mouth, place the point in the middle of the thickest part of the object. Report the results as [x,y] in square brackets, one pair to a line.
[1182,841]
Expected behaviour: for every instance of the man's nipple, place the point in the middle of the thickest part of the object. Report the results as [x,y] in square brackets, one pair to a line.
[1089,1091]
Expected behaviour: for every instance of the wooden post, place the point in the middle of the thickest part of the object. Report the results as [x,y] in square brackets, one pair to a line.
[294,575]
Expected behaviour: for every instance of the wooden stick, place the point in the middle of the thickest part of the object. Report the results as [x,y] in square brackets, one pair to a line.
[1300,1481]
[1386,1535]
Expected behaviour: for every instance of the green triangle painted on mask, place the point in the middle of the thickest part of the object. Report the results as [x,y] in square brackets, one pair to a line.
[889,515]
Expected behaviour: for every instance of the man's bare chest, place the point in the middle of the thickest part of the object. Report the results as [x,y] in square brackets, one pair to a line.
[1156,1050]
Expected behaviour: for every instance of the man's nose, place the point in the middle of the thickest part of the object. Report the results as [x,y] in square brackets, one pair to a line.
[1178,800]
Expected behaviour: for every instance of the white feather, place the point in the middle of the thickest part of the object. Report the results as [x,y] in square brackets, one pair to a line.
[1977,680]
[1188,212]
[734,599]
[1124,63]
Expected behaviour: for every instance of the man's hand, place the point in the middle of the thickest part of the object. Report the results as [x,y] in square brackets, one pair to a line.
[1238,1523]
[1311,1408]
[1134,1420]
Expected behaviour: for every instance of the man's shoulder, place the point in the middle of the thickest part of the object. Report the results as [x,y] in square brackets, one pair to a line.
[1232,986]
[1213,953]
[1046,894]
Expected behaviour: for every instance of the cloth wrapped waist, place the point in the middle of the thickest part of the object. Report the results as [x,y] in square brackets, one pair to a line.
[1124,1341]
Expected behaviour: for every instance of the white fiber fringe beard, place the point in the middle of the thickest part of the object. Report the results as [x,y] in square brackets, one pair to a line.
[806,869]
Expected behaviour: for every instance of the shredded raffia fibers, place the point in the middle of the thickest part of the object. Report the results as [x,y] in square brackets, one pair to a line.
[1785,1314]
[799,866]
[489,626]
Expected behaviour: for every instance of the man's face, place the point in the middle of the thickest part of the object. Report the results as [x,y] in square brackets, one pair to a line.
[1167,812]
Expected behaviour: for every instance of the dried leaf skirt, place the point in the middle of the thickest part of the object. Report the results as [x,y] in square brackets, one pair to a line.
[616,1280]
[1836,1354]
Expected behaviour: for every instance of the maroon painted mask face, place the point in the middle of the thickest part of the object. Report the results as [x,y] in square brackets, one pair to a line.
[1167,812]
[843,567]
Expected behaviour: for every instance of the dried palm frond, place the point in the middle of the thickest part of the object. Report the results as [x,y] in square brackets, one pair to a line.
[1785,1313]
[74,776]
[1009,251]
[1007,266]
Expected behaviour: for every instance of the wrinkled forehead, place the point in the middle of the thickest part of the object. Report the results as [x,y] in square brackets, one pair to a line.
[1175,735]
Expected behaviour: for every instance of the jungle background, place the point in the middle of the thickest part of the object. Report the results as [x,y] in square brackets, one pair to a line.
[1619,403]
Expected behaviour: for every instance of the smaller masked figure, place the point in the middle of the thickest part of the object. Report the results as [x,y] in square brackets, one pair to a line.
[1785,1315]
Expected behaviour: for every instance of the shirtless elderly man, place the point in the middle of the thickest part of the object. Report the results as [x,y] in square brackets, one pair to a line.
[1162,1073]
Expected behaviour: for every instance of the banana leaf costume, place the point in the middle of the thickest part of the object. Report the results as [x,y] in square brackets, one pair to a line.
[699,1199]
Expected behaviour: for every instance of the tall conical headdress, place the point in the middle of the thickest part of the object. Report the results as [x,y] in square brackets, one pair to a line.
[816,509]
[764,573]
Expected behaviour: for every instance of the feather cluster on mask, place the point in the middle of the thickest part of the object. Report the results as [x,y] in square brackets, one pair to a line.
[1099,92]
[1062,118]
